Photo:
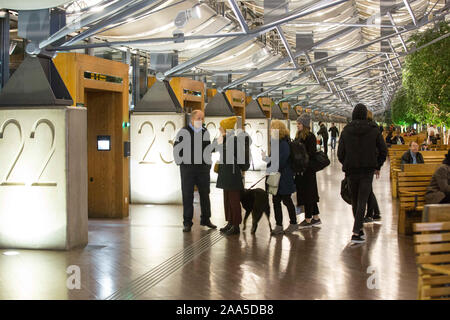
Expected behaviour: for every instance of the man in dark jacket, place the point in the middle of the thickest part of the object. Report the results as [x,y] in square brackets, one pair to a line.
[412,156]
[362,152]
[334,134]
[398,139]
[324,133]
[194,169]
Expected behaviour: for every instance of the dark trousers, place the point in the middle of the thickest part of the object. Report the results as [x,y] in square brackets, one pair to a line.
[325,146]
[372,206]
[446,199]
[191,176]
[311,209]
[232,206]
[333,142]
[287,201]
[361,187]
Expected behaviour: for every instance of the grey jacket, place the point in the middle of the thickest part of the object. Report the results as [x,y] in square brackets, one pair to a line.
[439,185]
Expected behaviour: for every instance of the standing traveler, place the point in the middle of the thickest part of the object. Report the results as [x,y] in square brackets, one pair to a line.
[195,137]
[306,183]
[286,185]
[230,172]
[324,133]
[362,152]
[439,189]
[334,134]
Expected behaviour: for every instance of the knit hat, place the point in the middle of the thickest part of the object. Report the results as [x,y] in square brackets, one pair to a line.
[359,112]
[305,120]
[228,123]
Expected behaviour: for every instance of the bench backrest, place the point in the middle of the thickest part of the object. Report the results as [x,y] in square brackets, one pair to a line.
[420,167]
[436,212]
[412,187]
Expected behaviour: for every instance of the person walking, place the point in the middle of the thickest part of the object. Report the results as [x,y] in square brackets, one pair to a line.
[194,137]
[306,183]
[373,210]
[362,152]
[324,133]
[334,134]
[230,172]
[286,185]
[439,189]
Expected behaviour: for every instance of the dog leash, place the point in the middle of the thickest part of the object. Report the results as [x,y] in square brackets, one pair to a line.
[257,182]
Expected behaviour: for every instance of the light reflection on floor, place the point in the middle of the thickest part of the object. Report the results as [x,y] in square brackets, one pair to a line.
[309,264]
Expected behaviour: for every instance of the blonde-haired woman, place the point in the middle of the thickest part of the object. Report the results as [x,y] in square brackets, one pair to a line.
[286,186]
[307,193]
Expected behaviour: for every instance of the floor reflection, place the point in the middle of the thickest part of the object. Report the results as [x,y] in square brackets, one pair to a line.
[310,264]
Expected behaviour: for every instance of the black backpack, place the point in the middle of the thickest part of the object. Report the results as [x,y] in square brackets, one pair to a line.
[298,157]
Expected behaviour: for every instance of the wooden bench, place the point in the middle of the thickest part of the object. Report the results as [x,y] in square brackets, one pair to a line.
[412,187]
[436,212]
[430,157]
[432,247]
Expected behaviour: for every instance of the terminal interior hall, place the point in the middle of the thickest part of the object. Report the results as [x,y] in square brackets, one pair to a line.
[95,205]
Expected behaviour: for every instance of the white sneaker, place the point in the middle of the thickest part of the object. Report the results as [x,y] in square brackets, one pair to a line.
[291,228]
[278,230]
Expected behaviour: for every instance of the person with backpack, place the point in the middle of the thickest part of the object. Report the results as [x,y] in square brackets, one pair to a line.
[362,152]
[306,183]
[229,173]
[286,185]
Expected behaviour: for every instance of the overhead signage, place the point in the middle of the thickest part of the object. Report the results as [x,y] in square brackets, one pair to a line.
[102,77]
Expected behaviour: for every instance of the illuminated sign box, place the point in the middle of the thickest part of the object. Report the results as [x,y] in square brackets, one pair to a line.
[258,129]
[43,178]
[154,175]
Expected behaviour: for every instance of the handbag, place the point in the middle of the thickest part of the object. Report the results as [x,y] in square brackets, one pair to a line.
[216,167]
[273,180]
[345,191]
[319,161]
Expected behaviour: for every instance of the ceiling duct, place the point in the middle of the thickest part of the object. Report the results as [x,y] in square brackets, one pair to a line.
[35,83]
[219,106]
[253,111]
[277,113]
[159,98]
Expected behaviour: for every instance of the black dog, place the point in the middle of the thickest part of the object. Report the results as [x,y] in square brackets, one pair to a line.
[256,202]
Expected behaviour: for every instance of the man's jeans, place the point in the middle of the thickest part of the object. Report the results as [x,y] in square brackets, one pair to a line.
[333,142]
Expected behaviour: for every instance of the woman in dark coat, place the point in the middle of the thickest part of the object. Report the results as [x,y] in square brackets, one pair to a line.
[307,193]
[229,175]
[286,186]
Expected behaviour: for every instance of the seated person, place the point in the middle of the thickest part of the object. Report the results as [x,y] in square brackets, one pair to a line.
[412,156]
[439,189]
[398,139]
[432,139]
[389,138]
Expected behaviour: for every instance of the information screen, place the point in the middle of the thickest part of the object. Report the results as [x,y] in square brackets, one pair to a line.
[103,143]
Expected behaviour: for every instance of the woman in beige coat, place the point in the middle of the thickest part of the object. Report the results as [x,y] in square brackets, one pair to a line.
[439,189]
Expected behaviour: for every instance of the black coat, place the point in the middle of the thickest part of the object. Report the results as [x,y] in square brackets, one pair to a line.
[286,185]
[408,159]
[394,140]
[230,175]
[361,147]
[334,132]
[306,183]
[323,132]
[200,137]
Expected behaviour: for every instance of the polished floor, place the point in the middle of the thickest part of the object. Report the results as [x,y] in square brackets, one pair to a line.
[149,257]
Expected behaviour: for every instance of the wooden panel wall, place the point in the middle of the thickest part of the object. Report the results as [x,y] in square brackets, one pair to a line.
[266,105]
[237,101]
[285,109]
[87,92]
